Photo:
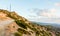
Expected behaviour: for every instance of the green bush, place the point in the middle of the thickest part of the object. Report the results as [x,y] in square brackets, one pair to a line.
[21,24]
[17,34]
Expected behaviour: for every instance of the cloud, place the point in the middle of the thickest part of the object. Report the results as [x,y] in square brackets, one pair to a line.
[57,4]
[52,13]
[53,10]
[44,15]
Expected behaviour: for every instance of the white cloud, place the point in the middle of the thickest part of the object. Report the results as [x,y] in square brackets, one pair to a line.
[52,13]
[53,10]
[57,4]
[51,16]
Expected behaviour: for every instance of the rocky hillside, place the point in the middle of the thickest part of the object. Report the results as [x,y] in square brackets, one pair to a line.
[26,28]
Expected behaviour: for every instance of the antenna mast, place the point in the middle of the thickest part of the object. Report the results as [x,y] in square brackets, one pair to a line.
[10,7]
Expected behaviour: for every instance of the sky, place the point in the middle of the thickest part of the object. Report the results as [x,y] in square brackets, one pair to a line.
[35,10]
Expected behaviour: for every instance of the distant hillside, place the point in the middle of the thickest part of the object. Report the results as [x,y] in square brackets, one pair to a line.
[27,28]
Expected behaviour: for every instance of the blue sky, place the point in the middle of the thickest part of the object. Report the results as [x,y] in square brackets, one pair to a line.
[35,10]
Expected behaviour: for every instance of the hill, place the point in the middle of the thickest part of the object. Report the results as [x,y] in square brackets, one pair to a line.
[26,28]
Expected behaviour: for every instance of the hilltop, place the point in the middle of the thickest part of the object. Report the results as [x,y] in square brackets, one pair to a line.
[26,28]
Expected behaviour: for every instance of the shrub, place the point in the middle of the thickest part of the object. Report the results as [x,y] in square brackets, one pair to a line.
[17,34]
